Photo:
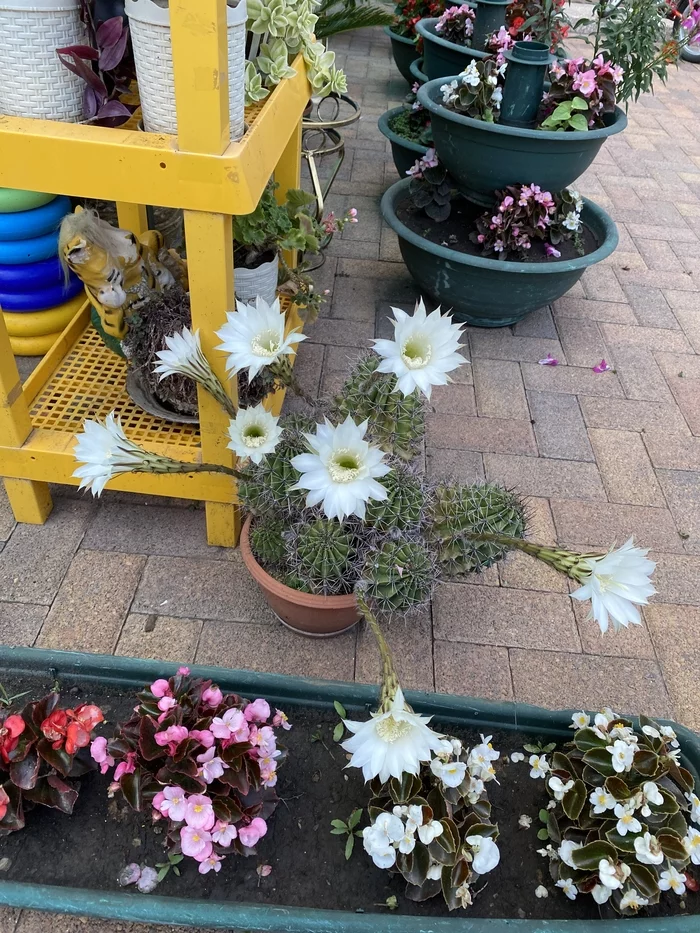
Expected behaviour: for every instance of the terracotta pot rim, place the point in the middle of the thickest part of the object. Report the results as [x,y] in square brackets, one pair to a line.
[308,600]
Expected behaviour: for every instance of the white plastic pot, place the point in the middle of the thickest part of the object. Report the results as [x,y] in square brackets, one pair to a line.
[249,283]
[153,55]
[33,82]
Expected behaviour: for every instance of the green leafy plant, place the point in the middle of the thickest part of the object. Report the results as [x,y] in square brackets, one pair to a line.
[413,124]
[431,188]
[336,16]
[339,730]
[477,91]
[569,115]
[348,828]
[172,863]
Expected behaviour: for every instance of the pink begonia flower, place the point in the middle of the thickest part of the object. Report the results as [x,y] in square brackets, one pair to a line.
[213,862]
[199,813]
[212,767]
[212,696]
[498,246]
[224,833]
[430,160]
[172,736]
[173,804]
[551,251]
[129,874]
[196,843]
[505,203]
[250,835]
[601,367]
[185,671]
[166,703]
[148,881]
[232,725]
[585,82]
[160,688]
[203,736]
[268,771]
[126,767]
[98,752]
[281,719]
[158,800]
[573,65]
[352,213]
[264,870]
[548,361]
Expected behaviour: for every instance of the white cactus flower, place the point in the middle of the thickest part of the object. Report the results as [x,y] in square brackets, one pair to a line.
[105,451]
[254,432]
[253,336]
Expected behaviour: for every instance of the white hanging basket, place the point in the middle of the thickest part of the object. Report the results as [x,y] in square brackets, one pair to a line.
[33,82]
[153,54]
[249,283]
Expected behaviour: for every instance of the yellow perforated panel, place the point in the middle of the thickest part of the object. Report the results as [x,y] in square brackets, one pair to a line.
[252,111]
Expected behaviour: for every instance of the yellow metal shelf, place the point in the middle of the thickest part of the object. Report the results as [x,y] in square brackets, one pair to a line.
[201,171]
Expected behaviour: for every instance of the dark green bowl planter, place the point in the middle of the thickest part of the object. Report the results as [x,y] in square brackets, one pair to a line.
[417,72]
[485,157]
[288,691]
[404,151]
[404,51]
[490,292]
[441,57]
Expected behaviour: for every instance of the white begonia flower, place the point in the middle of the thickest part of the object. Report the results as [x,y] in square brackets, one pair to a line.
[613,875]
[669,734]
[601,800]
[648,850]
[456,747]
[341,471]
[559,788]
[434,871]
[407,843]
[524,821]
[578,200]
[464,895]
[517,756]
[580,720]
[253,337]
[633,900]
[601,894]
[672,880]
[379,838]
[549,852]
[486,853]
[480,758]
[624,733]
[446,751]
[572,221]
[430,831]
[651,731]
[105,452]
[694,802]
[451,773]
[539,766]
[692,845]
[567,847]
[551,805]
[541,891]
[423,351]
[392,743]
[497,97]
[675,755]
[476,789]
[414,817]
[616,584]
[652,795]
[568,887]
[254,433]
[627,822]
[622,756]
[604,718]
[470,76]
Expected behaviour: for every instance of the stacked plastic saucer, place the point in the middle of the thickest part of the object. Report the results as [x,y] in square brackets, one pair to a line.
[36,300]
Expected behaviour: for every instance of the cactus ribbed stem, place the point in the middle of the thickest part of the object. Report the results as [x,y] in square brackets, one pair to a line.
[390,680]
[566,562]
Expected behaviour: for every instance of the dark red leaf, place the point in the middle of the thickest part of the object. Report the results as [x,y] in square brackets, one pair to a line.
[24,773]
[35,713]
[91,103]
[111,55]
[147,743]
[80,51]
[83,70]
[109,32]
[131,788]
[60,798]
[113,108]
[56,757]
[14,816]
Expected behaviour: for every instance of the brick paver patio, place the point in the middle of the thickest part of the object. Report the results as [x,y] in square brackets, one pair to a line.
[600,456]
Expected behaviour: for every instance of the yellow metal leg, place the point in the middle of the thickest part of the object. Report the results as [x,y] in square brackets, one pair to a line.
[132,217]
[30,501]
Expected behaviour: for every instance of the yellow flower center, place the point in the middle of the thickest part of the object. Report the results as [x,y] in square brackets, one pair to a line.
[267,343]
[626,818]
[198,808]
[416,353]
[391,730]
[344,466]
[254,435]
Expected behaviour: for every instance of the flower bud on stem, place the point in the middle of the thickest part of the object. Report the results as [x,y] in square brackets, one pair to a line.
[564,561]
[390,680]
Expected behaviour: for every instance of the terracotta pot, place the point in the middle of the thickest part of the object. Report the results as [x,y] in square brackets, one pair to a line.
[305,613]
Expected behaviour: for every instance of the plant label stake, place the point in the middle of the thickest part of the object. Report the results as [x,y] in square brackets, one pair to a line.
[528,63]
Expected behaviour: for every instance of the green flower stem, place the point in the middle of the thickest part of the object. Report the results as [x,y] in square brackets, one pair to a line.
[390,680]
[155,464]
[566,562]
[284,374]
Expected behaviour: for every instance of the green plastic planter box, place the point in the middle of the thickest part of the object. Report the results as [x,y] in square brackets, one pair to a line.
[404,151]
[288,691]
[404,51]
[488,292]
[417,72]
[442,57]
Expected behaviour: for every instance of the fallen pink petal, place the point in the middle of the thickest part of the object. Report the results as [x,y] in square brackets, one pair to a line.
[602,367]
[549,360]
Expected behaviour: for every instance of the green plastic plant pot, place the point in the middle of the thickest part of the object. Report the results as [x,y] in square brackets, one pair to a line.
[404,51]
[441,57]
[490,16]
[403,151]
[485,157]
[286,691]
[417,72]
[491,292]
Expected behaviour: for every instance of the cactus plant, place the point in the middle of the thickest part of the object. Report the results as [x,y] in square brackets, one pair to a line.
[405,506]
[399,575]
[266,487]
[461,511]
[322,552]
[396,422]
[267,541]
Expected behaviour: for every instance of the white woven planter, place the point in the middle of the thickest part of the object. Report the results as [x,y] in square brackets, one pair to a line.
[153,55]
[33,82]
[249,283]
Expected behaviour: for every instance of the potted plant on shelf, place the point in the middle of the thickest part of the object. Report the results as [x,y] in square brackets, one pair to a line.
[405,42]
[335,509]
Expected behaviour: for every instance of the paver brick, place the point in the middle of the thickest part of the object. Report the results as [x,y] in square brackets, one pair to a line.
[472,670]
[543,477]
[624,465]
[612,312]
[582,341]
[574,380]
[485,434]
[559,426]
[682,492]
[20,623]
[673,452]
[640,375]
[633,415]
[500,345]
[653,338]
[162,638]
[411,643]
[499,389]
[674,630]
[596,525]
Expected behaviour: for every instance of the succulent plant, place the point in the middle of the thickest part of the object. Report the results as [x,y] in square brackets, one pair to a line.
[461,511]
[405,506]
[399,575]
[396,422]
[267,541]
[322,552]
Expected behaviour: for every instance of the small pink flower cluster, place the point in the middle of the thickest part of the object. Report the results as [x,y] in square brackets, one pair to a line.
[332,224]
[595,81]
[429,160]
[456,24]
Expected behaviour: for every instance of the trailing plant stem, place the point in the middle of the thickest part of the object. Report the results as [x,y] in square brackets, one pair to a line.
[390,680]
[566,562]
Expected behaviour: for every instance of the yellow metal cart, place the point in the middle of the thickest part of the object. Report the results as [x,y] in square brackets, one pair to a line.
[208,176]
